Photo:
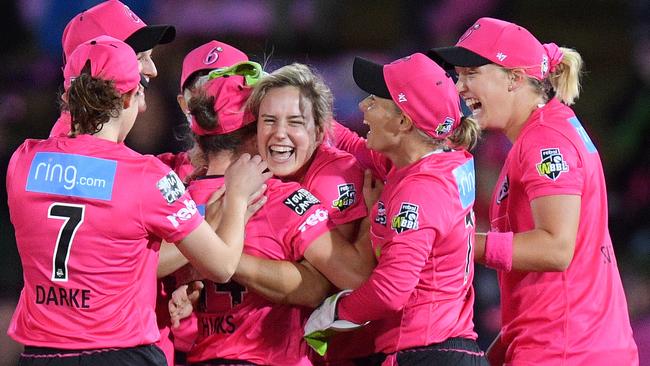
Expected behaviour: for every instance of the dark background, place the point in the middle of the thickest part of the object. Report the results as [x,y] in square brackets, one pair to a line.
[613,36]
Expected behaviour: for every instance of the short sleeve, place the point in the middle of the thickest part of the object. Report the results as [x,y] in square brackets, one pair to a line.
[549,164]
[339,186]
[303,219]
[167,209]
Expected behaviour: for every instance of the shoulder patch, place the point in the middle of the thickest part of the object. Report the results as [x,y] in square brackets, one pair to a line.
[406,219]
[171,187]
[347,196]
[300,201]
[552,163]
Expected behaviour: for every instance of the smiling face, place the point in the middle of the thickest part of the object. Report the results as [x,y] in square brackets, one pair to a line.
[286,131]
[486,93]
[383,117]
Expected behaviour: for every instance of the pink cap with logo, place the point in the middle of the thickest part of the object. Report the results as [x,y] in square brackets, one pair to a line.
[212,55]
[230,94]
[110,59]
[419,87]
[503,43]
[114,19]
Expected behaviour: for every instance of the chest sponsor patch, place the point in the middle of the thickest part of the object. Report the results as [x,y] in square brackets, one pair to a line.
[171,187]
[406,219]
[503,192]
[347,196]
[466,182]
[381,214]
[72,175]
[300,201]
[552,164]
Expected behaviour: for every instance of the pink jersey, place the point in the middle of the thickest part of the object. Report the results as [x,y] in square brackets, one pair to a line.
[422,230]
[62,125]
[89,215]
[575,317]
[240,325]
[180,163]
[335,177]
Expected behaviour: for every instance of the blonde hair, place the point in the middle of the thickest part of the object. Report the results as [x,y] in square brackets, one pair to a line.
[564,81]
[466,135]
[312,87]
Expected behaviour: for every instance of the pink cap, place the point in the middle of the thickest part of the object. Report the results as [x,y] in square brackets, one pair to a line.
[114,19]
[110,59]
[503,43]
[419,87]
[212,55]
[230,94]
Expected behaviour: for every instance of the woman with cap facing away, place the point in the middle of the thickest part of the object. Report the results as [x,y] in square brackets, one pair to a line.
[87,234]
[420,294]
[113,18]
[562,301]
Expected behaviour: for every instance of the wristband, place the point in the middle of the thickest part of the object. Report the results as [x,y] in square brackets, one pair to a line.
[498,250]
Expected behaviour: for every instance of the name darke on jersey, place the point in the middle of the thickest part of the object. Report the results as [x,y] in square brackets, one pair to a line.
[71,297]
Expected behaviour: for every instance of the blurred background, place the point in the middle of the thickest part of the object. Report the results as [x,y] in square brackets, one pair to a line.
[613,36]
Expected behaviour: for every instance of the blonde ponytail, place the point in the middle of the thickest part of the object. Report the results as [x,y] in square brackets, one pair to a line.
[466,135]
[565,79]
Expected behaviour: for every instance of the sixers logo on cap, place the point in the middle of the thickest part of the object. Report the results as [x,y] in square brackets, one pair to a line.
[469,32]
[445,127]
[131,14]
[544,66]
[213,55]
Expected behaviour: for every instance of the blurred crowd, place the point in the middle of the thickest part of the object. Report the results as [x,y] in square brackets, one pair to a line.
[613,37]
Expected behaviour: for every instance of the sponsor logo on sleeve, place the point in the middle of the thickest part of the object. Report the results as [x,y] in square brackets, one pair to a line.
[183,214]
[318,216]
[300,201]
[552,164]
[347,196]
[503,192]
[466,182]
[72,175]
[381,214]
[591,148]
[171,187]
[406,219]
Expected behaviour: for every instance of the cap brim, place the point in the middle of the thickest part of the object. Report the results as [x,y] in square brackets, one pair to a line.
[369,76]
[449,57]
[150,36]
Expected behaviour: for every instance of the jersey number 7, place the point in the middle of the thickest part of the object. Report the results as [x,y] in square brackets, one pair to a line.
[73,216]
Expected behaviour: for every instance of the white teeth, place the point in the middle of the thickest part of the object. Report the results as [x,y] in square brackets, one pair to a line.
[473,104]
[280,149]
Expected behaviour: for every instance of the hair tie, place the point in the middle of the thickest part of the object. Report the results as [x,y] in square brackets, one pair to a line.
[555,56]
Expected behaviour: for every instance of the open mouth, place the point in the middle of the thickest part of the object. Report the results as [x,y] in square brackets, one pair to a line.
[280,153]
[474,105]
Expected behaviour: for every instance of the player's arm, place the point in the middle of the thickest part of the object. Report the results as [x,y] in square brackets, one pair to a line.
[283,282]
[215,258]
[347,265]
[551,244]
[171,259]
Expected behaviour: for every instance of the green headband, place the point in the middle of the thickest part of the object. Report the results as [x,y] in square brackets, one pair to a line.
[251,71]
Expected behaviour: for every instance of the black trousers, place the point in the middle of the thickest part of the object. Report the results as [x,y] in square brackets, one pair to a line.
[453,351]
[149,355]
